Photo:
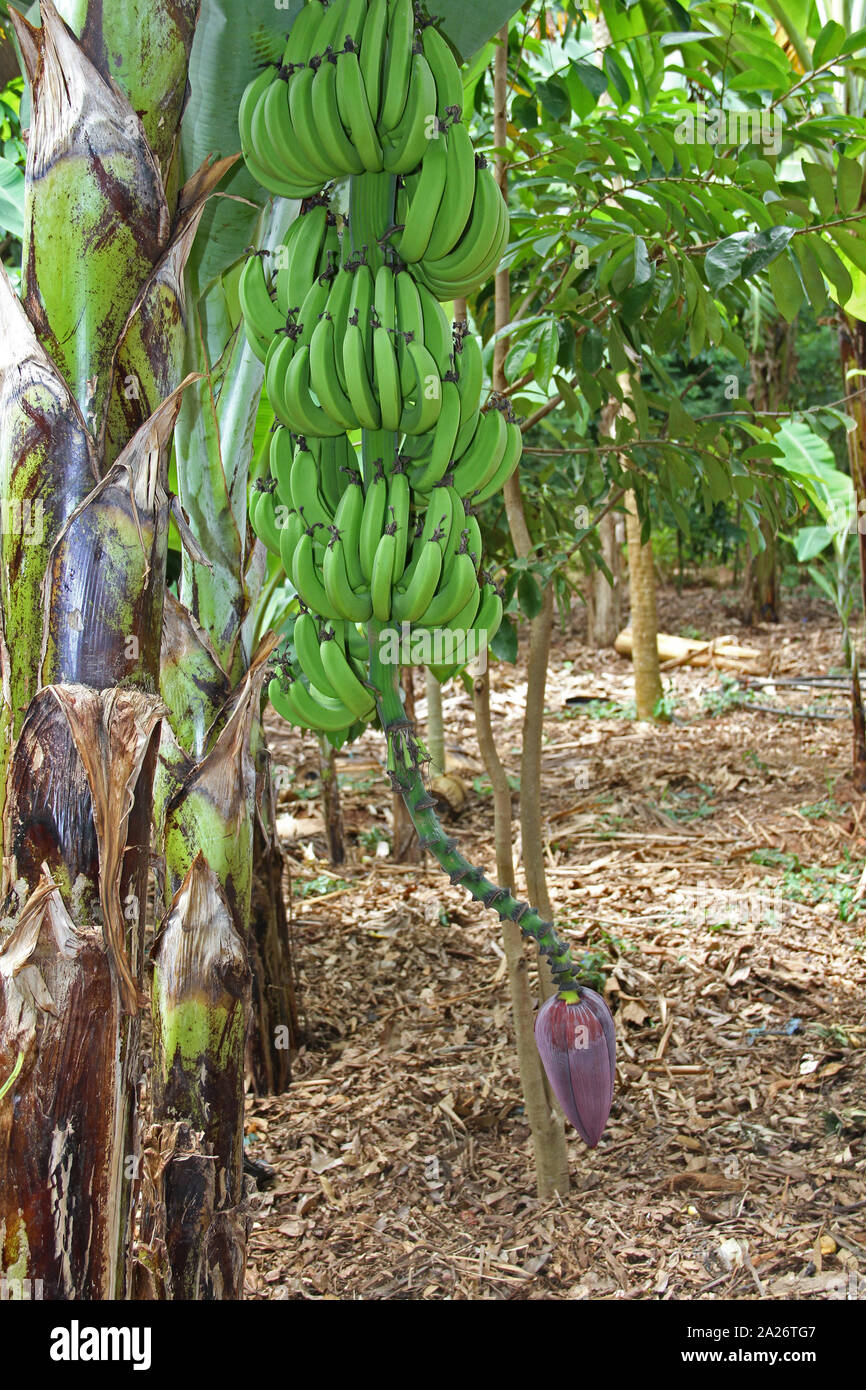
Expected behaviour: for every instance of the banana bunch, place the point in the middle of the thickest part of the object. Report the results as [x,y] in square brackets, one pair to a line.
[359,89]
[383,445]
[454,219]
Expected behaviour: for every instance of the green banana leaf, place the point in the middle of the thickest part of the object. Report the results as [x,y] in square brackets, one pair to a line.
[11,198]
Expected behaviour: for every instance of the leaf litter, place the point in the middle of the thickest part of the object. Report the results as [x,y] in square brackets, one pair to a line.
[709,873]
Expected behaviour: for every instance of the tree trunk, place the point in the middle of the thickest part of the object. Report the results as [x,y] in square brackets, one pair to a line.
[604,607]
[644,620]
[548,1131]
[771,370]
[88,401]
[761,596]
[852,348]
[331,805]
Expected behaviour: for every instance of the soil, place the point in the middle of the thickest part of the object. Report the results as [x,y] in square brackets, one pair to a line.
[709,870]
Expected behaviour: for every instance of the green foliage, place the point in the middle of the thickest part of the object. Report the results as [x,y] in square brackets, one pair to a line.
[642,224]
[12,161]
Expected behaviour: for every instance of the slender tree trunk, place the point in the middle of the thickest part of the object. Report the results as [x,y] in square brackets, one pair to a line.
[644,620]
[88,400]
[604,609]
[852,347]
[548,1133]
[771,371]
[760,591]
[331,804]
[548,1129]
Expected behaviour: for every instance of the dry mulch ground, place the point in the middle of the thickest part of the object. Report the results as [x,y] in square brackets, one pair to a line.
[710,871]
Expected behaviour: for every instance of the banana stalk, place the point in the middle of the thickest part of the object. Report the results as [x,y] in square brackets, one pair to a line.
[406,758]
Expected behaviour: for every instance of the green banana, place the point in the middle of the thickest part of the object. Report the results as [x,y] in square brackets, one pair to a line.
[330,32]
[386,379]
[306,497]
[409,142]
[372,522]
[358,384]
[262,318]
[304,124]
[398,63]
[274,140]
[355,112]
[372,57]
[301,708]
[424,203]
[489,618]
[300,259]
[324,376]
[354,606]
[472,261]
[280,459]
[361,303]
[338,308]
[410,324]
[308,651]
[474,542]
[307,580]
[268,516]
[337,462]
[350,31]
[469,365]
[510,460]
[441,456]
[290,539]
[438,333]
[382,576]
[443,65]
[410,602]
[484,454]
[435,525]
[341,152]
[426,397]
[453,595]
[264,159]
[277,363]
[347,520]
[303,415]
[399,501]
[343,679]
[300,45]
[385,297]
[253,92]
[455,208]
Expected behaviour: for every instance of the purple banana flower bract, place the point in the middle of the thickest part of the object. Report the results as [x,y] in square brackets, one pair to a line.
[577,1044]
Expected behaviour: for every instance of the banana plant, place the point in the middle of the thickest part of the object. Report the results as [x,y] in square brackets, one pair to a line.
[90,388]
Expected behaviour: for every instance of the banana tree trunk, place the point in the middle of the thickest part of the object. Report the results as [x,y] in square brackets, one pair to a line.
[222,576]
[90,366]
